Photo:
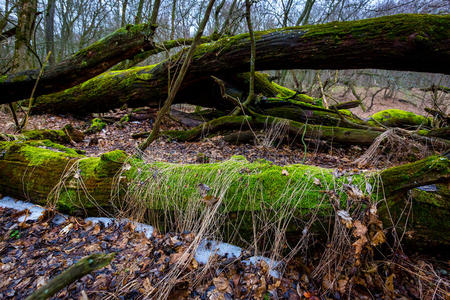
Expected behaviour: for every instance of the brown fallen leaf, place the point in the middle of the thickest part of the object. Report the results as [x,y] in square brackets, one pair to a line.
[378,239]
[222,284]
[360,229]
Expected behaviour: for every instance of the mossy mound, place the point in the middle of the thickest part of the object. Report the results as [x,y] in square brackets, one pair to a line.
[399,118]
[97,125]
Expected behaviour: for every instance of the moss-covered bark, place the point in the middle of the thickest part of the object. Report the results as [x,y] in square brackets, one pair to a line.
[423,215]
[124,43]
[44,172]
[33,169]
[399,118]
[294,130]
[400,42]
[66,135]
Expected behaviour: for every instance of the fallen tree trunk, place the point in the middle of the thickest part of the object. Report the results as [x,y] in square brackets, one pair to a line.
[131,42]
[50,174]
[83,267]
[293,130]
[400,42]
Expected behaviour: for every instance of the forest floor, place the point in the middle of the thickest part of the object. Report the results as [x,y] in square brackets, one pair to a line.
[34,251]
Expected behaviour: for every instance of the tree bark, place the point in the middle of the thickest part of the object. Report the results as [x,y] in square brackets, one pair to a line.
[49,31]
[400,42]
[22,58]
[81,66]
[83,267]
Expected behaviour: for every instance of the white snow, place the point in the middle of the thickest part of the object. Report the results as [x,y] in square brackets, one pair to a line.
[139,227]
[105,221]
[58,219]
[35,211]
[273,264]
[208,248]
[145,228]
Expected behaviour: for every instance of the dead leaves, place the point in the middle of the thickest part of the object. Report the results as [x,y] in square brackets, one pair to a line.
[222,284]
[359,231]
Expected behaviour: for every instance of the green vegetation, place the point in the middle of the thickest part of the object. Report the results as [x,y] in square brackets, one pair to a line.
[399,118]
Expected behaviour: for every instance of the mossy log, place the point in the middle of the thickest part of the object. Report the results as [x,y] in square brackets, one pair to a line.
[399,118]
[66,135]
[130,42]
[294,130]
[400,42]
[50,174]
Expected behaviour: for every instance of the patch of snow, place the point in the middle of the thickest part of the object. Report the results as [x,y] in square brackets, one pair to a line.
[35,211]
[428,188]
[106,221]
[273,264]
[58,219]
[208,248]
[140,227]
[145,228]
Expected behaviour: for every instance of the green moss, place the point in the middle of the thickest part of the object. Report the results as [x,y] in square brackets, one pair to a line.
[47,134]
[243,186]
[429,212]
[19,78]
[423,132]
[346,112]
[125,119]
[96,125]
[398,118]
[38,152]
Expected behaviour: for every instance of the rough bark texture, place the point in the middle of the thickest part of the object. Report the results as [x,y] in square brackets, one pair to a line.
[400,42]
[23,58]
[34,169]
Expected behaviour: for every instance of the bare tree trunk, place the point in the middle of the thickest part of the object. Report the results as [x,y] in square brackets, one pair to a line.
[22,59]
[304,17]
[172,20]
[225,29]
[49,31]
[138,17]
[216,16]
[251,92]
[124,13]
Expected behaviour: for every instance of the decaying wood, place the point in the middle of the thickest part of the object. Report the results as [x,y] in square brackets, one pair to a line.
[83,267]
[34,170]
